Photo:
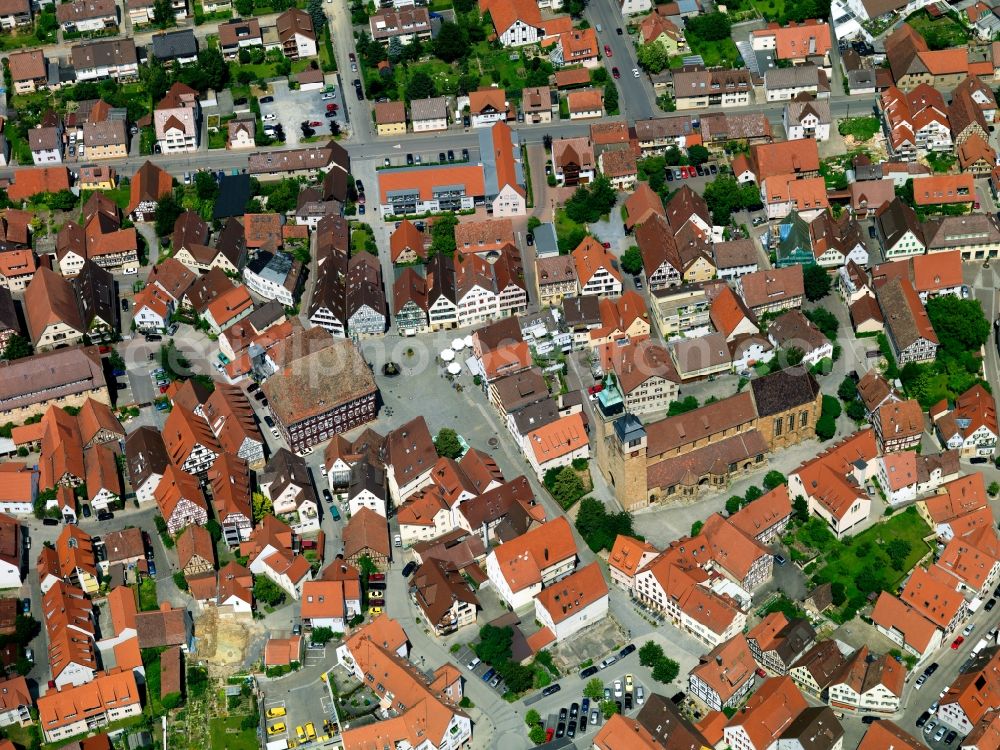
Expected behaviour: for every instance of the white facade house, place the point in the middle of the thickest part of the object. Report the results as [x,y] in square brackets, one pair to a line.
[273,277]
[522,567]
[478,305]
[520,33]
[809,119]
[634,7]
[577,601]
[897,476]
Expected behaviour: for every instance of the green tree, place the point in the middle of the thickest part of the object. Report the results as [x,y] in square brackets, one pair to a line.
[610,97]
[608,709]
[800,509]
[830,407]
[838,593]
[567,487]
[163,14]
[733,504]
[17,348]
[180,581]
[696,527]
[848,389]
[243,7]
[532,717]
[170,701]
[537,734]
[898,550]
[600,528]
[723,196]
[993,489]
[698,154]
[315,10]
[452,42]
[494,644]
[855,410]
[214,530]
[267,591]
[284,196]
[447,444]
[960,324]
[652,58]
[205,186]
[826,427]
[825,321]
[774,478]
[167,210]
[816,282]
[688,403]
[666,670]
[261,506]
[322,635]
[650,653]
[753,493]
[712,27]
[594,689]
[632,260]
[420,86]
[366,566]
[443,236]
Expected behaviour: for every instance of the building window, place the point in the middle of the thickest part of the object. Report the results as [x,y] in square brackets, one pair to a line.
[777,426]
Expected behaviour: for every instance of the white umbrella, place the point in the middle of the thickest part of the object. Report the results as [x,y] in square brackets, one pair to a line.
[447,355]
[454,368]
[458,344]
[468,341]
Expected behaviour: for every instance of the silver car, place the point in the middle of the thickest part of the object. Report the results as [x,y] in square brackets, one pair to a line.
[594,716]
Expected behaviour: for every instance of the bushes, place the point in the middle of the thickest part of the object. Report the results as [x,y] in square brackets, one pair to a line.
[590,202]
[826,425]
[565,486]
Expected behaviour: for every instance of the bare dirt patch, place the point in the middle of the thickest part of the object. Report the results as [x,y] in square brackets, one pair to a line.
[223,641]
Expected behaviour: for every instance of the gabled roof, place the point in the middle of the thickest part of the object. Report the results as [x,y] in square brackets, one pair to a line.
[522,560]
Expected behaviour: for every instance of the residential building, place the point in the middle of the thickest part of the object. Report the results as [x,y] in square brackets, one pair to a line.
[908,327]
[725,675]
[177,119]
[443,597]
[296,33]
[522,567]
[694,89]
[833,483]
[110,697]
[776,642]
[115,58]
[807,117]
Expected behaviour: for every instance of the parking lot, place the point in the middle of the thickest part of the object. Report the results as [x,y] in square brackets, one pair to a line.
[424,158]
[304,714]
[580,715]
[292,108]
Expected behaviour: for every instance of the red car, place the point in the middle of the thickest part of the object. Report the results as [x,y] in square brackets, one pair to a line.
[163,388]
[616,73]
[607,51]
[103,349]
[376,577]
[331,107]
[315,124]
[548,734]
[684,172]
[761,672]
[596,388]
[957,642]
[975,205]
[606,245]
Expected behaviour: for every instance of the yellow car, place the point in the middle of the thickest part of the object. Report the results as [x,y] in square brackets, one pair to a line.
[311,731]
[276,728]
[301,733]
[376,611]
[629,683]
[274,713]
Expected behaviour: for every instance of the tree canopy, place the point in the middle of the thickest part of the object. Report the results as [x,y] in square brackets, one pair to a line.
[592,201]
[447,443]
[960,324]
[632,260]
[600,528]
[452,42]
[816,282]
[420,86]
[711,27]
[443,235]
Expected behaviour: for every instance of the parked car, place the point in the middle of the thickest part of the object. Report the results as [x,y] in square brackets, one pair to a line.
[607,51]
[552,689]
[957,642]
[922,719]
[589,672]
[266,100]
[409,568]
[629,649]
[616,73]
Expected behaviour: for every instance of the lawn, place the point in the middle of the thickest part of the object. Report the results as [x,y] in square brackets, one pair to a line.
[569,233]
[941,33]
[941,163]
[148,600]
[860,128]
[362,241]
[226,732]
[863,563]
[715,53]
[444,76]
